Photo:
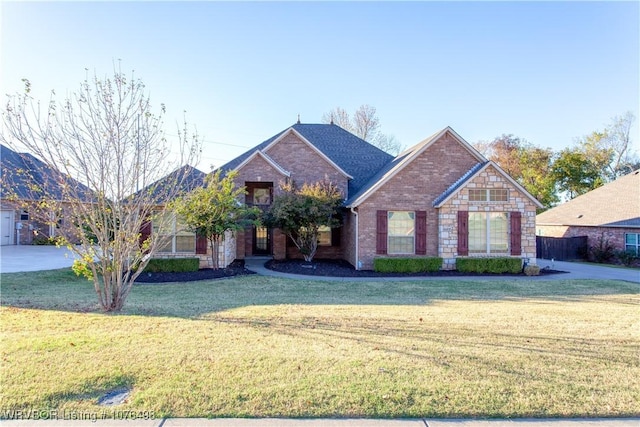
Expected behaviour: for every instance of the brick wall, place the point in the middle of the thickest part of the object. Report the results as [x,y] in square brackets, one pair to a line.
[414,188]
[304,163]
[488,178]
[305,166]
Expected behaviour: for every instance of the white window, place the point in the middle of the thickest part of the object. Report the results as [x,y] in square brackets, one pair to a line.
[488,194]
[401,232]
[176,237]
[488,232]
[632,243]
[324,236]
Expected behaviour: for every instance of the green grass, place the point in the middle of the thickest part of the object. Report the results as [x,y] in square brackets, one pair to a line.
[258,346]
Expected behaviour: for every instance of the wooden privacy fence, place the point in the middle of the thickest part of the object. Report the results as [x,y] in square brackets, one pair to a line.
[561,248]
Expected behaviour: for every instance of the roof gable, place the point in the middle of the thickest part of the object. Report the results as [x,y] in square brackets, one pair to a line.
[266,158]
[615,204]
[405,158]
[471,174]
[357,159]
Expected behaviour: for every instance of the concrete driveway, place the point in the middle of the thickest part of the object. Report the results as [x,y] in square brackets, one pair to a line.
[580,270]
[16,258]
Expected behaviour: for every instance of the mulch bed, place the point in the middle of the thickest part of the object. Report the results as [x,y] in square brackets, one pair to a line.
[235,269]
[320,267]
[341,268]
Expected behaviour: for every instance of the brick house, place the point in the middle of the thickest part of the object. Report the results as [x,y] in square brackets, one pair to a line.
[610,212]
[24,181]
[440,198]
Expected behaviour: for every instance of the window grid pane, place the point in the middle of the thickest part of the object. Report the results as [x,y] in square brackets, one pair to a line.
[324,236]
[498,195]
[401,232]
[498,232]
[476,195]
[477,232]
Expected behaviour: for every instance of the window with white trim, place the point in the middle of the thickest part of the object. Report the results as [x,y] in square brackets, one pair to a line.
[324,236]
[178,238]
[401,227]
[632,243]
[488,232]
[488,195]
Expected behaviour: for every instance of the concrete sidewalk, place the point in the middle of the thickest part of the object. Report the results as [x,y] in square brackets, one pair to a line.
[331,422]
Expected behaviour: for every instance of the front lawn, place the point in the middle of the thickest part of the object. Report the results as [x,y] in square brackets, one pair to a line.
[257,346]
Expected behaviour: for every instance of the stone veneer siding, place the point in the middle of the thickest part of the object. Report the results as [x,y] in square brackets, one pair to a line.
[615,235]
[413,188]
[489,178]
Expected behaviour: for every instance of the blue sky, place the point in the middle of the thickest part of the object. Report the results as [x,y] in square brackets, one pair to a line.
[548,72]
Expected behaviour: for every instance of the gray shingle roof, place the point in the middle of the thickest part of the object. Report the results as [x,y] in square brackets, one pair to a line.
[27,178]
[188,177]
[353,155]
[616,204]
[459,183]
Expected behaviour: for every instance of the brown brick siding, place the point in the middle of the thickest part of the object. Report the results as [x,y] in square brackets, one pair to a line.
[415,188]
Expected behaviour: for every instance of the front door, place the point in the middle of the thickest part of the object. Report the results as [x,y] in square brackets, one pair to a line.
[6,228]
[261,241]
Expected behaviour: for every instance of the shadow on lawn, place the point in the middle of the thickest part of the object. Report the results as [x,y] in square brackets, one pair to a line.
[61,290]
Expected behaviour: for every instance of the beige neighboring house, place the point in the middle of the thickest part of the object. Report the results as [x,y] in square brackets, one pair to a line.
[610,212]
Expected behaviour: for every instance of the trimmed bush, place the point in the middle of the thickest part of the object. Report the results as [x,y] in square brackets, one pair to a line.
[532,270]
[407,265]
[172,265]
[489,265]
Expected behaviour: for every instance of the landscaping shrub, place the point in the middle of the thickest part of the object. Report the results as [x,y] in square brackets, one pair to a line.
[41,240]
[532,270]
[172,265]
[489,265]
[626,257]
[407,265]
[603,251]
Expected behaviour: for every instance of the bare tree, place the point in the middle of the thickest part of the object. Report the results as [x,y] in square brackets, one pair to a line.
[364,124]
[107,138]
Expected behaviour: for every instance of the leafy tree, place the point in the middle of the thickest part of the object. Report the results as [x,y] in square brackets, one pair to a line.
[528,164]
[109,138]
[364,124]
[612,149]
[214,209]
[575,173]
[299,213]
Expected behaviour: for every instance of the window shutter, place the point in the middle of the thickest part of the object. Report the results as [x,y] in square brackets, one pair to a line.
[145,231]
[201,245]
[516,233]
[336,235]
[463,233]
[381,232]
[421,232]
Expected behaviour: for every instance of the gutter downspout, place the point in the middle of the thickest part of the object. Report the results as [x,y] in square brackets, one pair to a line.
[353,211]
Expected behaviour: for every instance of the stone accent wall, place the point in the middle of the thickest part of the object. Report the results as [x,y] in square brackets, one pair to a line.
[615,235]
[414,188]
[489,178]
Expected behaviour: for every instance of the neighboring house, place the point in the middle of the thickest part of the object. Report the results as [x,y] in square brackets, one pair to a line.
[440,198]
[23,183]
[610,212]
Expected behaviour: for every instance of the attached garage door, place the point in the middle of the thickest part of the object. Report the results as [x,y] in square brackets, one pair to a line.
[6,228]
